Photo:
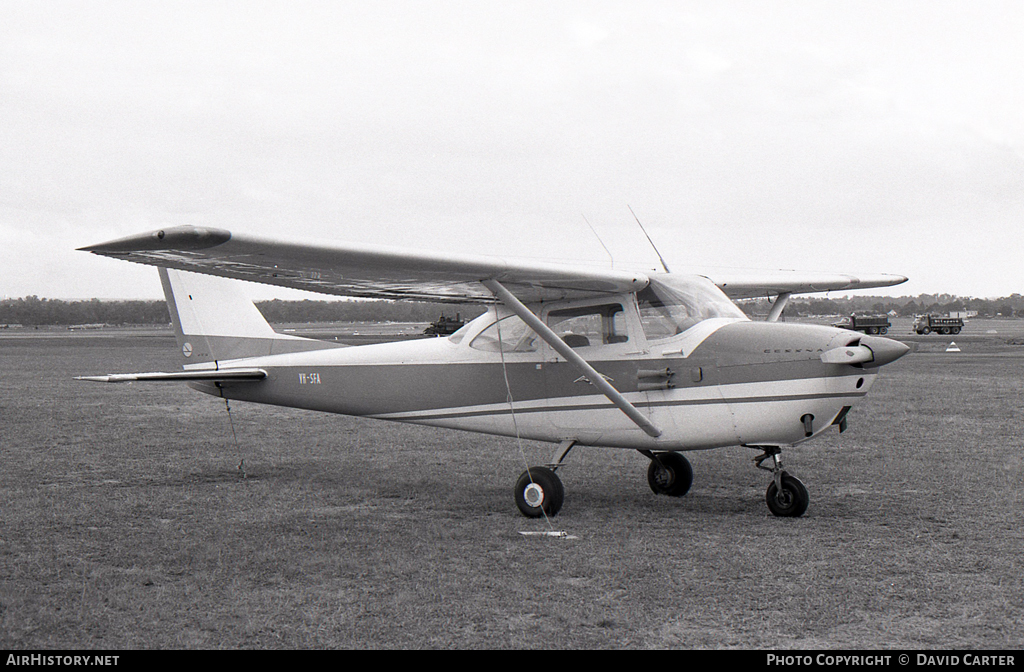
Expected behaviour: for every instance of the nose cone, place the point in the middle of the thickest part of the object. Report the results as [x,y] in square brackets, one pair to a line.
[885,350]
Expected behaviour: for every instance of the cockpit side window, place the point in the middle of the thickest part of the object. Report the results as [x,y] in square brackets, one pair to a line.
[590,325]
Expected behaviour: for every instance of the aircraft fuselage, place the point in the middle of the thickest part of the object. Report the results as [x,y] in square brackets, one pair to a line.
[723,382]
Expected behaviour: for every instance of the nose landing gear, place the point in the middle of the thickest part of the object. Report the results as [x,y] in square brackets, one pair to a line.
[786,497]
[539,491]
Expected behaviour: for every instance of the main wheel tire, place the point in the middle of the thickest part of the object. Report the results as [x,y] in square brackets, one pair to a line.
[675,479]
[956,330]
[791,502]
[539,492]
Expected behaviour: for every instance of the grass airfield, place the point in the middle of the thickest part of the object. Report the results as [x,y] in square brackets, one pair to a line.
[125,522]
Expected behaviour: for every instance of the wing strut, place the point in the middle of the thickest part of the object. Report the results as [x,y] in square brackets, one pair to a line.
[781,301]
[552,339]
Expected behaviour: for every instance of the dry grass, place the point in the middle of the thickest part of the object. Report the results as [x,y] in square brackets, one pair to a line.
[124,523]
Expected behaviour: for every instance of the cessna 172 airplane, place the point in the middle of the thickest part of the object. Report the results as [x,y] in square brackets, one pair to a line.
[660,363]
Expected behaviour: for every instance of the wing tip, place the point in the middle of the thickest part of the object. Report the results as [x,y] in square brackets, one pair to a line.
[172,238]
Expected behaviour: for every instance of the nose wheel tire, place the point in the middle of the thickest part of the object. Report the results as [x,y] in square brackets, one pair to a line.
[539,492]
[672,477]
[790,501]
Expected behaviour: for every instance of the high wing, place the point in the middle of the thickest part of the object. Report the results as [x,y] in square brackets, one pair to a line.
[371,271]
[385,272]
[750,286]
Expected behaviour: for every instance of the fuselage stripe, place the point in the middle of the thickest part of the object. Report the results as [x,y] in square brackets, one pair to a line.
[456,413]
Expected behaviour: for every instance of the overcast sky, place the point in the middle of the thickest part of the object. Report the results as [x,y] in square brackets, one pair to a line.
[859,137]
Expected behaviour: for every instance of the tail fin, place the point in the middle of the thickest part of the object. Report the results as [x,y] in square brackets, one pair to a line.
[214,321]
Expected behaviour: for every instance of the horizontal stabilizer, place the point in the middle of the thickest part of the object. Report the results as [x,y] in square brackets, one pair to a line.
[233,375]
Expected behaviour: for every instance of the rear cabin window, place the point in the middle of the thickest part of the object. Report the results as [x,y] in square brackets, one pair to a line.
[460,334]
[590,325]
[509,334]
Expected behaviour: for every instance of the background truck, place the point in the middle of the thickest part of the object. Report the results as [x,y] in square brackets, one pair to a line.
[445,325]
[926,324]
[869,324]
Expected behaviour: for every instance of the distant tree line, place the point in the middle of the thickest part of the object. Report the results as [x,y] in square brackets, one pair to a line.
[906,306]
[33,311]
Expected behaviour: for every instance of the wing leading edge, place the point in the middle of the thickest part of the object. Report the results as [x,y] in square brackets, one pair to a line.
[370,271]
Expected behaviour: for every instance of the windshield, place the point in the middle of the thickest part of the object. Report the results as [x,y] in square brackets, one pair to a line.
[671,304]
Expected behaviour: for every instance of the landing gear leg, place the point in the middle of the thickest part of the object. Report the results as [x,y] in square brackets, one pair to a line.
[786,497]
[539,492]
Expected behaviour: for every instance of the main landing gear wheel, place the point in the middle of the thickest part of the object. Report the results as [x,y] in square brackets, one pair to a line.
[789,502]
[670,474]
[539,492]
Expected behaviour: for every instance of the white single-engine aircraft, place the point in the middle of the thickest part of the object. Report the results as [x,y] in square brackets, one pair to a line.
[655,362]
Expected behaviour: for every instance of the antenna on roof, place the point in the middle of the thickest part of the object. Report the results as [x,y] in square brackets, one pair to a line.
[660,258]
[610,257]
